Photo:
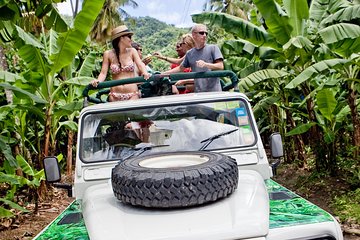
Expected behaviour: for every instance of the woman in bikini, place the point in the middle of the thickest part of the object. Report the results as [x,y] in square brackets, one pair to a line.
[121,60]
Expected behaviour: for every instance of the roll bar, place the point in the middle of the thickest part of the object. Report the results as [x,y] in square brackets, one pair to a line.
[174,77]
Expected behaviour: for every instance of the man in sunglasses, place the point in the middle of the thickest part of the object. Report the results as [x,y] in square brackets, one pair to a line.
[203,57]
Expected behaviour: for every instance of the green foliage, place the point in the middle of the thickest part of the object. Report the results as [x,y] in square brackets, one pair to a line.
[317,68]
[156,36]
[238,27]
[347,206]
[5,213]
[326,103]
[309,49]
[296,62]
[72,40]
[31,179]
[44,102]
[277,21]
[303,128]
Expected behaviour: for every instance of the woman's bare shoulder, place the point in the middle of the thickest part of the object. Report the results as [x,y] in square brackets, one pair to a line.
[131,50]
[109,53]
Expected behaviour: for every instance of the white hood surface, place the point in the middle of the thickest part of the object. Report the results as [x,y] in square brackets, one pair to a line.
[244,214]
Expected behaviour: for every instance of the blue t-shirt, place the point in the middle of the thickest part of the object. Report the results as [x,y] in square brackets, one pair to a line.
[210,53]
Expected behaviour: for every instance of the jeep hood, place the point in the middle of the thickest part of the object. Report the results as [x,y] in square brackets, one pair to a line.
[244,214]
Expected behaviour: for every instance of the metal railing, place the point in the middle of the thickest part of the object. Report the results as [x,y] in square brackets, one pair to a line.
[103,87]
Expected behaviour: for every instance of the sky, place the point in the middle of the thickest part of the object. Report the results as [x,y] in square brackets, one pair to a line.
[175,12]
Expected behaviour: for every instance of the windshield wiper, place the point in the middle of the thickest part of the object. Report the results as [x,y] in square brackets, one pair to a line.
[141,150]
[210,139]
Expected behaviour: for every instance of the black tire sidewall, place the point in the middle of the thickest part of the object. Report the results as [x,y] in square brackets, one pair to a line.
[173,187]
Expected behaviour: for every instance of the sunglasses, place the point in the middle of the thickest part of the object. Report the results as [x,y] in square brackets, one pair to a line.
[203,33]
[129,36]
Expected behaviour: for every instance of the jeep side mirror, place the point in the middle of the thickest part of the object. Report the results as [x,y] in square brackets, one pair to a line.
[53,174]
[276,145]
[52,169]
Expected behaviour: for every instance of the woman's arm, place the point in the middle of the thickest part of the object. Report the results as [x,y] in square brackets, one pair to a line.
[169,59]
[184,82]
[104,69]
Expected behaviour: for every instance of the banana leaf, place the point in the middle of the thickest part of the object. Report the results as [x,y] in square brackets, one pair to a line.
[238,27]
[303,128]
[349,14]
[326,103]
[276,20]
[318,10]
[72,40]
[87,67]
[10,77]
[298,12]
[28,38]
[260,76]
[340,31]
[317,68]
[23,94]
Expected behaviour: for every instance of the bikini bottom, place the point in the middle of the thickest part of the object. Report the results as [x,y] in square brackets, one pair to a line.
[124,96]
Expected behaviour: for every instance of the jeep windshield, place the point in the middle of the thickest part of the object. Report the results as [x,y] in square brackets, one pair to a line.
[115,135]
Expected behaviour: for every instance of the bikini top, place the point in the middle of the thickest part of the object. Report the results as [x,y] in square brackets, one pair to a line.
[116,69]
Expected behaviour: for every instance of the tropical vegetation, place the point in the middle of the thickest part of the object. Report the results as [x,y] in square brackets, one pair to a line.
[304,56]
[298,61]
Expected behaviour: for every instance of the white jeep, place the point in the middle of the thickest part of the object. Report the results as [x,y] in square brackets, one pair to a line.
[188,166]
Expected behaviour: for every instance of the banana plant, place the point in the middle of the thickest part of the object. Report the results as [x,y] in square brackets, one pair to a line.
[45,60]
[31,179]
[298,37]
[79,74]
[331,114]
[264,50]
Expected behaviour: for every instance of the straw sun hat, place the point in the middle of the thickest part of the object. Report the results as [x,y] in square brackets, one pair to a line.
[120,31]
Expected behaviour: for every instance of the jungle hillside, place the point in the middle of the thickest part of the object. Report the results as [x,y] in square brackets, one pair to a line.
[297,61]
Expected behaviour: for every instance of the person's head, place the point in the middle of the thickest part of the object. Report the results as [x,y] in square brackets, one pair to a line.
[138,48]
[199,34]
[187,42]
[179,49]
[121,35]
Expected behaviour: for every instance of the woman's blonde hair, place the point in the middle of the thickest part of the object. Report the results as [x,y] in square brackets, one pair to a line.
[188,40]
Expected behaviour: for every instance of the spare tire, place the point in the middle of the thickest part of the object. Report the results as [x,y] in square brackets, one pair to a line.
[174,179]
